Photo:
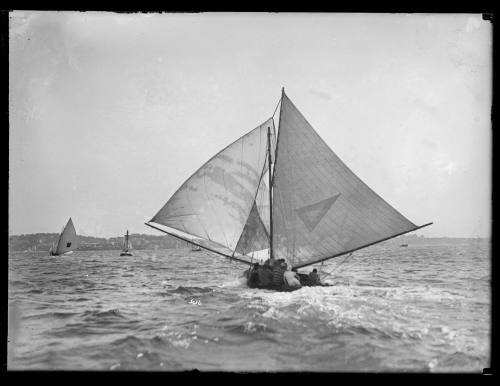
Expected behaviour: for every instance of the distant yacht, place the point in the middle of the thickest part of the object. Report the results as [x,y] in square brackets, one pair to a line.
[68,241]
[127,246]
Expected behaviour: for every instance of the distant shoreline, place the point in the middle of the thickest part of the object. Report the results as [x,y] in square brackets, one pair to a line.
[37,242]
[42,241]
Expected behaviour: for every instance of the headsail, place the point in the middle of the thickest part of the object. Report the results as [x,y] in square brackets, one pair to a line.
[68,240]
[215,203]
[255,236]
[320,207]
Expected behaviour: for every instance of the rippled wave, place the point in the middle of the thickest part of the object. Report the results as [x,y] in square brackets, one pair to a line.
[421,308]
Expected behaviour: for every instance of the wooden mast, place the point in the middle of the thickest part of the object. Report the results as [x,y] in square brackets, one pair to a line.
[269,159]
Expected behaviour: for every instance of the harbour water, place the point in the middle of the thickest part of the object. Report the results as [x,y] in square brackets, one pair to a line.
[424,308]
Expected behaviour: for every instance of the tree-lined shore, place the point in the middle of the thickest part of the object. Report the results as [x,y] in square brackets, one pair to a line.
[43,241]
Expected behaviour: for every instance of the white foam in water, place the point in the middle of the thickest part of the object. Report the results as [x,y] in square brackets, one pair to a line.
[386,312]
[239,282]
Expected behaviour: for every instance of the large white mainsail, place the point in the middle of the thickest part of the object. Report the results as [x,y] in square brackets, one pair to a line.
[215,203]
[68,240]
[320,208]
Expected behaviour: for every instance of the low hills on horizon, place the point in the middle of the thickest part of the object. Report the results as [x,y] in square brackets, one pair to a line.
[43,241]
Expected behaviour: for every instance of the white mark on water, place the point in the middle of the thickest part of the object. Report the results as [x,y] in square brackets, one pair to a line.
[432,364]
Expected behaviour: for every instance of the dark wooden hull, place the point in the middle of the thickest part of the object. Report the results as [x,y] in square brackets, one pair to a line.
[305,281]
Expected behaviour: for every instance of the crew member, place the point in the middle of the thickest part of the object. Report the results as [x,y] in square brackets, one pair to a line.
[292,278]
[314,277]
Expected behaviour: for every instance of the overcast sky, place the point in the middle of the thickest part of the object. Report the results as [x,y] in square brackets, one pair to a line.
[110,113]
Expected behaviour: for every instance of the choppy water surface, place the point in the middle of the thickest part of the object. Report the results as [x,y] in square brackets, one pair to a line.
[417,309]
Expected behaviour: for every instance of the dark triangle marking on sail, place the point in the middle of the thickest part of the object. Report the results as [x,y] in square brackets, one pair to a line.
[312,214]
[307,170]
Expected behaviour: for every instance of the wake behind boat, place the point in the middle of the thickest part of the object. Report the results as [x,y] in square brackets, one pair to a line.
[286,197]
[67,242]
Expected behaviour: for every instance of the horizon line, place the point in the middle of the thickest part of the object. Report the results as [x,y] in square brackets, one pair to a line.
[152,234]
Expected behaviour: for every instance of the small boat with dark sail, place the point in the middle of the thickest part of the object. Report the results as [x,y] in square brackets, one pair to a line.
[279,200]
[127,246]
[67,241]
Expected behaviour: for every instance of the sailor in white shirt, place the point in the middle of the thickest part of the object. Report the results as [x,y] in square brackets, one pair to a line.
[291,278]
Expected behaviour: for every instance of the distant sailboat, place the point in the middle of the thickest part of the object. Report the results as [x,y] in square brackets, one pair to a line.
[68,241]
[127,246]
[286,196]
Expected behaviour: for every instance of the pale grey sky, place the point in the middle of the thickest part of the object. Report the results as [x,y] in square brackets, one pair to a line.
[110,113]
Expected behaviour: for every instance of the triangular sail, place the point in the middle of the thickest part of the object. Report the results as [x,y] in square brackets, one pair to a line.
[127,245]
[215,203]
[68,240]
[320,207]
[255,236]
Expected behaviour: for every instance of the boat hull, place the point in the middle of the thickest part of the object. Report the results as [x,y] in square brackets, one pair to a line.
[126,254]
[305,281]
[60,254]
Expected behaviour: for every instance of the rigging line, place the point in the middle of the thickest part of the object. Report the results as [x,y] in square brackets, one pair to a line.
[277,137]
[269,162]
[276,193]
[255,197]
[201,246]
[276,107]
[337,266]
[361,247]
[60,238]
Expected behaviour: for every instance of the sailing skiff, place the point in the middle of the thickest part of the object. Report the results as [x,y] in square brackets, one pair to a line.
[127,246]
[280,194]
[67,242]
